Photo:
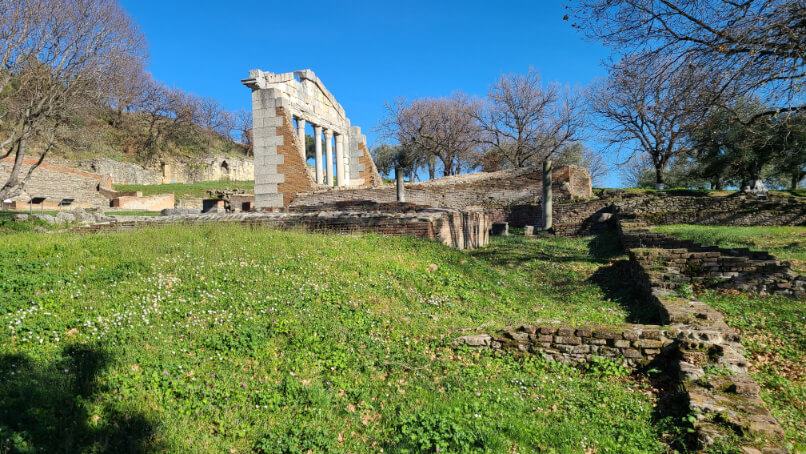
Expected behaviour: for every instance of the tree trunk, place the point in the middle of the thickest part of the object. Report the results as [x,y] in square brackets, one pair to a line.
[659,184]
[795,181]
[548,222]
[9,188]
[401,191]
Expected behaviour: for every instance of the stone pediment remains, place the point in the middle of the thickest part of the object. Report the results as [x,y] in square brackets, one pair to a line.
[282,105]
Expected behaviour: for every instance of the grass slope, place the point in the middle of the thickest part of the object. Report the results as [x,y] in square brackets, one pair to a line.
[186,190]
[786,243]
[223,338]
[774,333]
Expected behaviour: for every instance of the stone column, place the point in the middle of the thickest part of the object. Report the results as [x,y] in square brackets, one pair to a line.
[345,143]
[317,133]
[301,134]
[339,160]
[329,157]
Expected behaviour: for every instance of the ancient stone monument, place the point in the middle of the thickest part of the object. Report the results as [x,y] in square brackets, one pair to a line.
[282,104]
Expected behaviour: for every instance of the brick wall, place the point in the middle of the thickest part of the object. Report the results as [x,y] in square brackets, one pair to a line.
[293,168]
[369,173]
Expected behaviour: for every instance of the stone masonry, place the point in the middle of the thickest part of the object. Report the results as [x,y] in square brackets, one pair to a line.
[280,165]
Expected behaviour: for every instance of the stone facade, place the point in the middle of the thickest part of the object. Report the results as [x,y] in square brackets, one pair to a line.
[57,182]
[208,168]
[459,229]
[277,101]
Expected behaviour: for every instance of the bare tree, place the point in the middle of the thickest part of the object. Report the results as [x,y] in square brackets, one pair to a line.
[758,44]
[243,124]
[645,109]
[55,57]
[209,114]
[511,117]
[442,127]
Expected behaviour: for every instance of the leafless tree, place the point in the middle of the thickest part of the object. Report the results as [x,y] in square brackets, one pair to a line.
[517,105]
[758,44]
[645,109]
[55,57]
[243,124]
[442,127]
[210,116]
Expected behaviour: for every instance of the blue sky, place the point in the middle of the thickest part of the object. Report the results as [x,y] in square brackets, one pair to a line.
[365,52]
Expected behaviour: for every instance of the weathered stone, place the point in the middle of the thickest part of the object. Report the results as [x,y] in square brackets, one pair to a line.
[606,334]
[568,340]
[477,340]
[20,217]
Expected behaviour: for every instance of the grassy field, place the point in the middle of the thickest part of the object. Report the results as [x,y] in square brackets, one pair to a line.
[774,333]
[786,243]
[186,190]
[226,339]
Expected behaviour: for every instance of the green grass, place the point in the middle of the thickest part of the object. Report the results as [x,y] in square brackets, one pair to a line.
[186,190]
[786,243]
[774,334]
[228,339]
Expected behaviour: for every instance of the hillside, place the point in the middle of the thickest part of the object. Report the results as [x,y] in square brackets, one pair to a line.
[134,137]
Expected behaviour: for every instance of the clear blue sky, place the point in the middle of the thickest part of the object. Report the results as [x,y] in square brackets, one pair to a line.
[365,52]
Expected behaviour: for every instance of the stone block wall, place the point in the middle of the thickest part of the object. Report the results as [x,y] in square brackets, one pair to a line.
[489,190]
[661,208]
[458,229]
[685,261]
[157,202]
[634,346]
[692,337]
[59,182]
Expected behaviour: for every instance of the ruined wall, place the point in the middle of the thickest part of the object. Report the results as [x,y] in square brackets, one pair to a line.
[301,96]
[58,182]
[207,168]
[664,208]
[454,228]
[507,187]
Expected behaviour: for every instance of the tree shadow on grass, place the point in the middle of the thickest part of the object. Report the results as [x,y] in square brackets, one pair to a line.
[43,408]
[615,280]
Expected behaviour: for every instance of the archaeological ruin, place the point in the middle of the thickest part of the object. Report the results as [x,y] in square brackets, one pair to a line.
[282,104]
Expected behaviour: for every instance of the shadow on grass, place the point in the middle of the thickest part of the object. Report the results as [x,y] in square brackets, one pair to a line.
[43,408]
[517,250]
[615,280]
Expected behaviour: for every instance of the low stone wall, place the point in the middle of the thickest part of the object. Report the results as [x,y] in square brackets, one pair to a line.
[631,345]
[454,228]
[494,189]
[663,208]
[724,403]
[688,261]
[692,336]
[156,202]
[206,168]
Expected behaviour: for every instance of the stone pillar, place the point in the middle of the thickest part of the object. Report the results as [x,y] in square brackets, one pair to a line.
[339,160]
[345,144]
[301,134]
[317,133]
[401,190]
[329,157]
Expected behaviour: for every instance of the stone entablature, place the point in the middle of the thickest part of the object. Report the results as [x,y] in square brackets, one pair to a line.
[277,101]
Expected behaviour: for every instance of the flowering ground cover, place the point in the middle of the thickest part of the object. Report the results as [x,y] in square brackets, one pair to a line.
[229,339]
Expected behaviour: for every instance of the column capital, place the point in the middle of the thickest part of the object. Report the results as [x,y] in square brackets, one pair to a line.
[317,128]
[328,132]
